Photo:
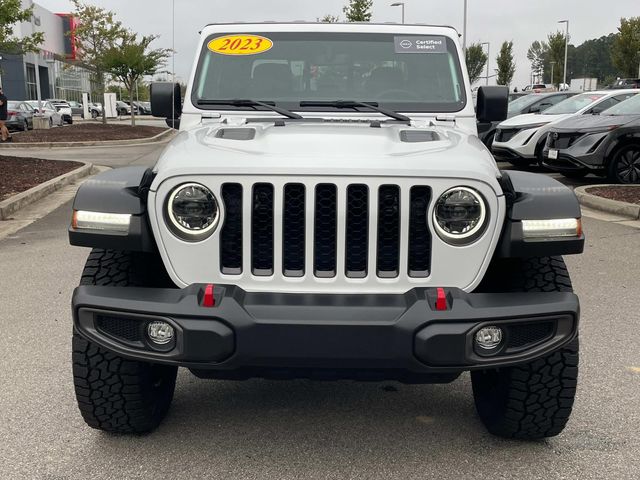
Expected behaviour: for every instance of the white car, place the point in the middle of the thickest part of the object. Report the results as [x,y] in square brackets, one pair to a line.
[49,111]
[327,211]
[64,108]
[520,140]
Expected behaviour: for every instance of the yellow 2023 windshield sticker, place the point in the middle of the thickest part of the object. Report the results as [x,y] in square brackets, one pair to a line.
[240,45]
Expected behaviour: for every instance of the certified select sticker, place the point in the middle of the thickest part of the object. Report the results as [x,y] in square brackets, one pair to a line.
[240,45]
[421,44]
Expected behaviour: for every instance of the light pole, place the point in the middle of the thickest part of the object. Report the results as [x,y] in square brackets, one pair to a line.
[399,4]
[488,58]
[552,65]
[464,29]
[566,50]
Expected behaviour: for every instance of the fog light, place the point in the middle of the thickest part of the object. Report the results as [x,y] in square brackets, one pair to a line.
[489,338]
[160,333]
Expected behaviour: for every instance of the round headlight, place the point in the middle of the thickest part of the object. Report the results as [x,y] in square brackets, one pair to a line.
[192,211]
[460,216]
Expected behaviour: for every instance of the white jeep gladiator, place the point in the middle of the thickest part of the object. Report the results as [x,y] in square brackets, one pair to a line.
[327,211]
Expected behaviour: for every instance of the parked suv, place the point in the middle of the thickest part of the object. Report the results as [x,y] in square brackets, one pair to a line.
[520,140]
[65,110]
[607,144]
[529,103]
[327,211]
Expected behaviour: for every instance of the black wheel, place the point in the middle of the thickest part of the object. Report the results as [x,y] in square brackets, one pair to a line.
[50,122]
[533,400]
[115,394]
[625,165]
[25,125]
[94,114]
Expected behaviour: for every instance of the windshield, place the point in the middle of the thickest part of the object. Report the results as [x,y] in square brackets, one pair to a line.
[521,103]
[630,106]
[13,105]
[573,104]
[405,73]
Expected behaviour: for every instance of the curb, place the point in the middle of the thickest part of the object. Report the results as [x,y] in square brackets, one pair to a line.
[104,143]
[12,204]
[615,207]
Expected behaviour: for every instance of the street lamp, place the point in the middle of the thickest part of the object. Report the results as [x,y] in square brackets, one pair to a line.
[552,65]
[464,29]
[399,4]
[566,50]
[488,58]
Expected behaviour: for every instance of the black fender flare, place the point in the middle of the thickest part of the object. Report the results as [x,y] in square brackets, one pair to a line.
[122,190]
[532,196]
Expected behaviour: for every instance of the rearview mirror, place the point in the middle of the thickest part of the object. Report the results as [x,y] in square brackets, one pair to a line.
[493,103]
[166,100]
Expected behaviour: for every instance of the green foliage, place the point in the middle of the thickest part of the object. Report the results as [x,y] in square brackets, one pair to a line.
[11,12]
[537,54]
[97,32]
[506,64]
[358,10]
[476,60]
[328,18]
[132,59]
[555,53]
[626,47]
[592,59]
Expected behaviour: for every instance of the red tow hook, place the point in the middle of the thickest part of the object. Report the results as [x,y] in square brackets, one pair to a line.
[208,300]
[441,299]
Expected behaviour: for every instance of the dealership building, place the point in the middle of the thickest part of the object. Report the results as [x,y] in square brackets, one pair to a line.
[53,72]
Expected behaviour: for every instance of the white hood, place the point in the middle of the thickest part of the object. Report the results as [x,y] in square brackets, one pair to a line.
[527,119]
[336,149]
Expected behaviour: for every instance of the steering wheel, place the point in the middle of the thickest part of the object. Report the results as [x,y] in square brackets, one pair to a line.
[397,91]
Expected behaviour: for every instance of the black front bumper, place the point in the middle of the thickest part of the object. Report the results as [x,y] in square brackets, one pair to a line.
[261,332]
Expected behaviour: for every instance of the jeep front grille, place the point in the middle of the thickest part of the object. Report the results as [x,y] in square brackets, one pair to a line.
[356,229]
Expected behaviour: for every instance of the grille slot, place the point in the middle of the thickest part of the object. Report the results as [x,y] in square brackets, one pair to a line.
[231,234]
[310,232]
[419,235]
[526,335]
[325,231]
[120,328]
[357,234]
[293,230]
[388,254]
[262,230]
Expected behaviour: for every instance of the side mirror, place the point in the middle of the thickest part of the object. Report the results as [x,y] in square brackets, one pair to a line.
[597,110]
[544,106]
[493,104]
[535,109]
[166,100]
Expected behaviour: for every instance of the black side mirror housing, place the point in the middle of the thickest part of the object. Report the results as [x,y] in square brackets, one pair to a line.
[535,109]
[166,100]
[493,103]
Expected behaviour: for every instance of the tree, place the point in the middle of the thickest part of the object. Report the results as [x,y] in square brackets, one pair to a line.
[11,12]
[476,60]
[358,10]
[328,18]
[506,64]
[97,32]
[130,61]
[556,43]
[626,47]
[536,55]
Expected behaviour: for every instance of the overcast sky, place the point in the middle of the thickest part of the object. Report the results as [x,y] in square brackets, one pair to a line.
[489,20]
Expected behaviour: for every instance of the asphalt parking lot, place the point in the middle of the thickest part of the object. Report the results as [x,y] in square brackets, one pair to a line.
[262,429]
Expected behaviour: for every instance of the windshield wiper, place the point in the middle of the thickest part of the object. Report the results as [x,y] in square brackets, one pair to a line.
[237,102]
[355,104]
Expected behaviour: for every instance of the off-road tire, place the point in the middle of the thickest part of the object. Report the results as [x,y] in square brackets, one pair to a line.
[532,400]
[115,394]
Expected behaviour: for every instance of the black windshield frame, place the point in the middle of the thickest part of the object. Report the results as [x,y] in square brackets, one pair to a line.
[294,105]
